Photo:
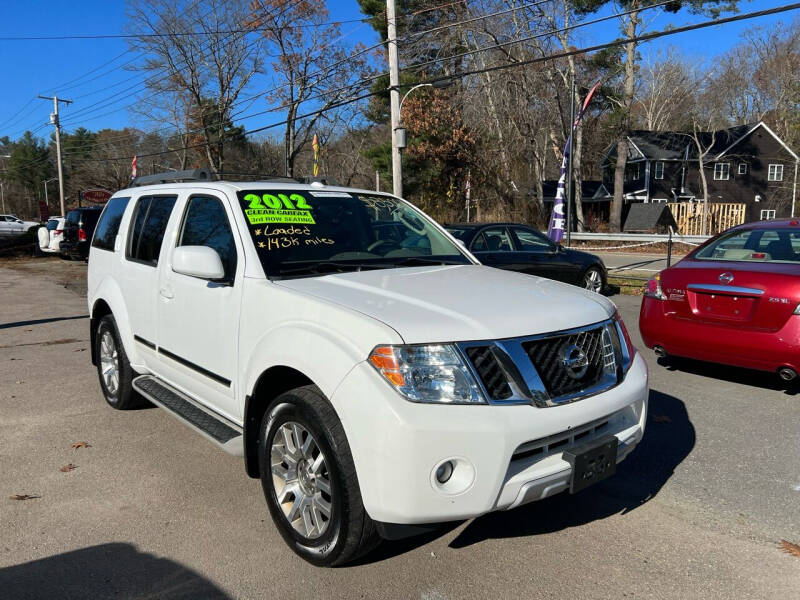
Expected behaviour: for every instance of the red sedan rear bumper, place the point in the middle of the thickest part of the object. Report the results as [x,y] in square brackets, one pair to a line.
[762,350]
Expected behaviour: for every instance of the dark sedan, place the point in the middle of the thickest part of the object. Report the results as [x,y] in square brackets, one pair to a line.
[519,248]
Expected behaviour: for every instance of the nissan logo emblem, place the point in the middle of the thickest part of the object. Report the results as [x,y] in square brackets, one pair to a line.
[725,278]
[575,361]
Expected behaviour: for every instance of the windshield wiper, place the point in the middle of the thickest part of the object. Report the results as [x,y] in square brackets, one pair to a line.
[329,266]
[411,261]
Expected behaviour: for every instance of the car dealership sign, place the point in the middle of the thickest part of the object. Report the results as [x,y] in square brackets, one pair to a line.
[97,195]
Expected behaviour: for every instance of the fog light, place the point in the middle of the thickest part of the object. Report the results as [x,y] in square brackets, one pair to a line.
[444,472]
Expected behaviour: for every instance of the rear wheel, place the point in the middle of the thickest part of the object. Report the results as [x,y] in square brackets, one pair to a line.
[113,369]
[310,482]
[594,280]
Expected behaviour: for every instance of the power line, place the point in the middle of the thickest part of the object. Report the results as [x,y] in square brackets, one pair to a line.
[538,35]
[595,48]
[152,79]
[470,20]
[616,43]
[113,36]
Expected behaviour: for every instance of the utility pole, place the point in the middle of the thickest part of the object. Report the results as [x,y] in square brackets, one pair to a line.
[54,121]
[394,97]
[569,162]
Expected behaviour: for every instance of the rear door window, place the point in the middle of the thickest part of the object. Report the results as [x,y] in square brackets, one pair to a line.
[108,227]
[493,240]
[148,227]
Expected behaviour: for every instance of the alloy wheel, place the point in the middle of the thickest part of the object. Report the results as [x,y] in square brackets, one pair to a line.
[109,362]
[301,480]
[593,281]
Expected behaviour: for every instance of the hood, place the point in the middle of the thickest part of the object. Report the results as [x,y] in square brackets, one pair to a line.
[460,302]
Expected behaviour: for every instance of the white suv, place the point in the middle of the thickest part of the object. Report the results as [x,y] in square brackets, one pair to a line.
[371,372]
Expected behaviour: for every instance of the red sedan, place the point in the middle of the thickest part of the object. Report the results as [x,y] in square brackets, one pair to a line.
[734,300]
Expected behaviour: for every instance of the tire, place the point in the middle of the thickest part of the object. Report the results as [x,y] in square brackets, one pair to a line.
[593,280]
[118,391]
[347,532]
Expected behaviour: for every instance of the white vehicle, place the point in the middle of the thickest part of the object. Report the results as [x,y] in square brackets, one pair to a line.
[371,372]
[51,234]
[13,225]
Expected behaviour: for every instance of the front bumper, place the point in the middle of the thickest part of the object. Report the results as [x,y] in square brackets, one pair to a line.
[504,456]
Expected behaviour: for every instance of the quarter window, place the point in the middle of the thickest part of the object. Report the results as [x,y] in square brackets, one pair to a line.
[206,224]
[530,241]
[107,228]
[775,173]
[722,171]
[149,224]
[659,170]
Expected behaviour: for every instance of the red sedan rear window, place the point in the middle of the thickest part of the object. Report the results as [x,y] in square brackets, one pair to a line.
[759,245]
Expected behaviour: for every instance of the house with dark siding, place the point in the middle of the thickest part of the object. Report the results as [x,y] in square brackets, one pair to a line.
[747,164]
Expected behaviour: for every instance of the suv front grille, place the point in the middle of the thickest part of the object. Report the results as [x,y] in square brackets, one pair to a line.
[548,356]
[489,371]
[549,369]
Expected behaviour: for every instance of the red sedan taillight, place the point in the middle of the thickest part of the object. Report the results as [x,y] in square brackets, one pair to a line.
[81,235]
[652,288]
[58,231]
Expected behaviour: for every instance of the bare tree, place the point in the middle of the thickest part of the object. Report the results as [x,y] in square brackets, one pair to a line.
[666,92]
[311,63]
[202,56]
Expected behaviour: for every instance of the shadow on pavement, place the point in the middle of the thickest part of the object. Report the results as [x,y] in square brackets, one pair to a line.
[40,321]
[761,379]
[105,571]
[669,438]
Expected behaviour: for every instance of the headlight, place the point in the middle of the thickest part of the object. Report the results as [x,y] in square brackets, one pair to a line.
[434,373]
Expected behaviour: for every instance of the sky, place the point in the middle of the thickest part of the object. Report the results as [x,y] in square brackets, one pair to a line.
[88,71]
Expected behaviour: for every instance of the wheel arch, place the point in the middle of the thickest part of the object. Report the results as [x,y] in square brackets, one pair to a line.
[99,310]
[270,384]
[108,299]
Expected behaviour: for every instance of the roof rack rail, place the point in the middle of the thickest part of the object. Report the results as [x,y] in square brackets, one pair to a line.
[207,175]
[173,177]
[223,175]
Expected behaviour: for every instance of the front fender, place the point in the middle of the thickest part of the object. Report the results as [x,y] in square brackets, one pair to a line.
[321,354]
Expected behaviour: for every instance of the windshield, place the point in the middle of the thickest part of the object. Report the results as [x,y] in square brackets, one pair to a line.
[309,232]
[755,245]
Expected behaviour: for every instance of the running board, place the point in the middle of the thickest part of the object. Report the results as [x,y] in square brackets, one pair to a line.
[213,427]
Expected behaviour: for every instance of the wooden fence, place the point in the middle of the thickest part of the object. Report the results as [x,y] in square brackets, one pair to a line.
[721,215]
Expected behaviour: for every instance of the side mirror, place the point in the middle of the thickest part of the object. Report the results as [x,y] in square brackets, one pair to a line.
[197,261]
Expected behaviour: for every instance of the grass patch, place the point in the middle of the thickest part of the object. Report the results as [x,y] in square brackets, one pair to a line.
[630,286]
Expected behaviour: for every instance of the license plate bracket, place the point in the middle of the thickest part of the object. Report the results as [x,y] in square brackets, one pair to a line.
[592,462]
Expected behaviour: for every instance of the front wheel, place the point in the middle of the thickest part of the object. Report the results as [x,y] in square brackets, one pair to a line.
[594,280]
[310,482]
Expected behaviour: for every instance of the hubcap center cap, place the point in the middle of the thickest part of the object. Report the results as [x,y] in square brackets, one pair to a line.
[306,477]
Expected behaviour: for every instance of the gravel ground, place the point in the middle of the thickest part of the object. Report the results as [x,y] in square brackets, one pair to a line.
[154,511]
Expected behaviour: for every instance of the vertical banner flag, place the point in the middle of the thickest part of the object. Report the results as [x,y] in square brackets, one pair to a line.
[556,230]
[315,146]
[133,168]
[467,192]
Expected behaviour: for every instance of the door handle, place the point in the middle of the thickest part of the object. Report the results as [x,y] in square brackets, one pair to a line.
[166,293]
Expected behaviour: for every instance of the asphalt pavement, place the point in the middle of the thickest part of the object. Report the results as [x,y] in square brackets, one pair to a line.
[151,510]
[619,263]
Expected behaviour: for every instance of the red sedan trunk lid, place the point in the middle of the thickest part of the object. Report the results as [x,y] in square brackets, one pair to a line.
[746,295]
